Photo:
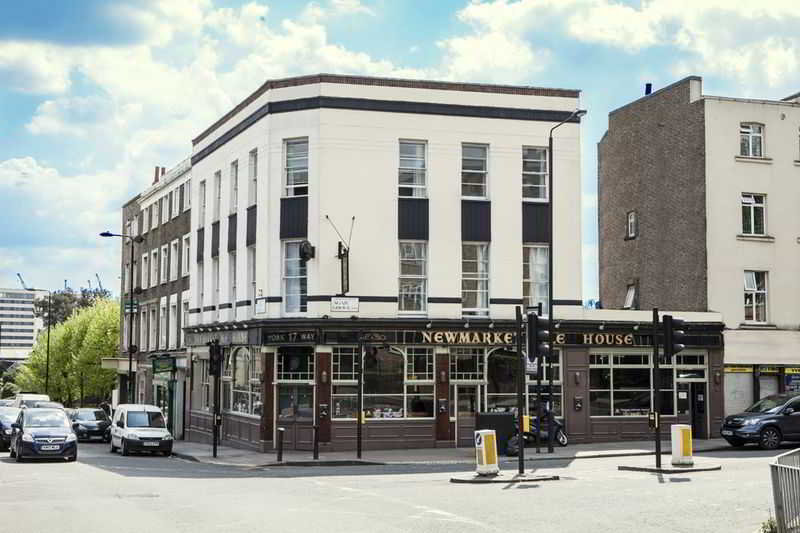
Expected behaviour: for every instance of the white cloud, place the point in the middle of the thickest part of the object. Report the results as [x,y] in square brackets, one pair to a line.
[34,67]
[351,7]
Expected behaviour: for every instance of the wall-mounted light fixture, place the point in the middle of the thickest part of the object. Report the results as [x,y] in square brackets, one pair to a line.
[442,376]
[717,378]
[491,325]
[466,325]
[577,378]
[324,377]
[602,326]
[557,325]
[429,325]
[636,327]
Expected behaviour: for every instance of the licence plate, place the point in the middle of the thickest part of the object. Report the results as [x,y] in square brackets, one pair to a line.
[49,447]
[150,443]
[727,432]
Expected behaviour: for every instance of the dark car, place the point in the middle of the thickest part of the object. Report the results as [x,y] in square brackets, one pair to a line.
[43,434]
[8,415]
[768,422]
[91,424]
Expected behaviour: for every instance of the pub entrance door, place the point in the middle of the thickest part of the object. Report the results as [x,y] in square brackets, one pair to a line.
[468,404]
[295,413]
[693,407]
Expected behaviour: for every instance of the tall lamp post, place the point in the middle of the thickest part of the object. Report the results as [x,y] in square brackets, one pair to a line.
[131,346]
[551,259]
[49,319]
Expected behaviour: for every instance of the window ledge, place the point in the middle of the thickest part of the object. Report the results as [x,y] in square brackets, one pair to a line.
[747,159]
[547,200]
[757,325]
[797,163]
[630,238]
[755,238]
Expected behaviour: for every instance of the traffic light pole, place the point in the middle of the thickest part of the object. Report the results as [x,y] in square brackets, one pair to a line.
[656,388]
[520,393]
[360,413]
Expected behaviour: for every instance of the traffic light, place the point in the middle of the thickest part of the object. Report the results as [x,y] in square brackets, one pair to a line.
[673,337]
[538,337]
[214,358]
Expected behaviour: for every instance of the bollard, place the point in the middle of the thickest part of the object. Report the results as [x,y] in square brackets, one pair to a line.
[280,444]
[316,442]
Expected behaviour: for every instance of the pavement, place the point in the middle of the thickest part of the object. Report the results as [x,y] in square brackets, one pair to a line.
[227,455]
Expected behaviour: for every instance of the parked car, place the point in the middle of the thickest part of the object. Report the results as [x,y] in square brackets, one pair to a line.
[49,405]
[29,399]
[91,423]
[139,427]
[43,434]
[768,422]
[7,402]
[8,415]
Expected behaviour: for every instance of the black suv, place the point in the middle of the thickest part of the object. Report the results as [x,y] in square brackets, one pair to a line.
[770,421]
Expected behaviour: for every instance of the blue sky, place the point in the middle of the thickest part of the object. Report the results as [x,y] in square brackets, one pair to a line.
[97,93]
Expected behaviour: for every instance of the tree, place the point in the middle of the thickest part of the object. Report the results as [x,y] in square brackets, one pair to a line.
[76,348]
[65,302]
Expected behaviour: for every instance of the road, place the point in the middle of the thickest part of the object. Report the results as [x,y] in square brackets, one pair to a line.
[144,494]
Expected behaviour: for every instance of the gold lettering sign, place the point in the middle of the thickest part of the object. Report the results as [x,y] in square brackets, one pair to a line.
[560,338]
[490,338]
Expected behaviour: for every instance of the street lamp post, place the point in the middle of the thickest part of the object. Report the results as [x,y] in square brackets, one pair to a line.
[49,320]
[551,259]
[131,346]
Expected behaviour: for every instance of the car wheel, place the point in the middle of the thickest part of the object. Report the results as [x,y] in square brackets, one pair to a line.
[18,457]
[11,452]
[125,451]
[167,453]
[770,438]
[72,458]
[736,443]
[113,448]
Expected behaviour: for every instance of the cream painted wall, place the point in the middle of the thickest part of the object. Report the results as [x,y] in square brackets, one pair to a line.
[778,177]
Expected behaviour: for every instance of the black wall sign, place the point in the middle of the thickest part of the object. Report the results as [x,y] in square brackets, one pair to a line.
[288,337]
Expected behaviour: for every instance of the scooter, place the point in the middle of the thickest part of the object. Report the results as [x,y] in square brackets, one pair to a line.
[560,435]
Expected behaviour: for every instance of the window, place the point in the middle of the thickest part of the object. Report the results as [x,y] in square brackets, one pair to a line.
[186,254]
[473,170]
[217,194]
[202,194]
[753,214]
[162,328]
[619,384]
[201,282]
[751,140]
[154,268]
[205,385]
[215,287]
[548,367]
[173,326]
[145,271]
[755,296]
[154,214]
[187,195]
[536,275]
[630,297]
[419,364]
[234,186]
[241,384]
[145,220]
[174,255]
[295,364]
[467,364]
[251,276]
[143,331]
[295,280]
[252,175]
[296,167]
[413,296]
[185,323]
[232,277]
[475,279]
[164,263]
[176,196]
[164,203]
[345,363]
[632,226]
[136,225]
[412,168]
[153,327]
[534,173]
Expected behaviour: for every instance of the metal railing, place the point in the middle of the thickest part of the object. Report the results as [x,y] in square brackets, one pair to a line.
[785,472]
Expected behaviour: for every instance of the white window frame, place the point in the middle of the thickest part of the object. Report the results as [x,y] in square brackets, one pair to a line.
[176,202]
[485,172]
[173,324]
[749,132]
[202,198]
[143,330]
[418,190]
[200,288]
[234,177]
[217,195]
[630,297]
[532,174]
[156,214]
[252,177]
[154,267]
[750,204]
[135,228]
[153,326]
[289,190]
[162,327]
[187,195]
[415,245]
[529,282]
[164,202]
[632,225]
[478,276]
[174,254]
[751,289]
[251,277]
[187,254]
[232,277]
[285,280]
[164,274]
[184,321]
[215,287]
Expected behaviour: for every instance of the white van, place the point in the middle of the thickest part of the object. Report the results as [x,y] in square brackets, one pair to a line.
[29,399]
[140,428]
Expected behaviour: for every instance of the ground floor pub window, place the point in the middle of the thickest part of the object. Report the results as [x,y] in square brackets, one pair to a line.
[501,381]
[467,364]
[345,381]
[619,384]
[241,382]
[295,402]
[554,401]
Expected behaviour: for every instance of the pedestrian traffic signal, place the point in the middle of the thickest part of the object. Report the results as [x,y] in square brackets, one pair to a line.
[214,358]
[538,337]
[673,335]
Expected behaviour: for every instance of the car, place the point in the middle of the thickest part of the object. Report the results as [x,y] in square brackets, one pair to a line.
[7,402]
[91,423]
[8,415]
[29,399]
[768,422]
[43,434]
[140,428]
[49,405]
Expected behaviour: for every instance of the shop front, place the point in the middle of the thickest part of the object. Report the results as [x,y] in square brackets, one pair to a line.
[168,390]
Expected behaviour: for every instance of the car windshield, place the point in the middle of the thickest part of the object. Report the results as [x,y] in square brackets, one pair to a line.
[145,419]
[9,414]
[51,405]
[770,404]
[30,403]
[91,415]
[46,418]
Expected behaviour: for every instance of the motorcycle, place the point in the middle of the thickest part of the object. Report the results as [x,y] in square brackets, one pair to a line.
[560,435]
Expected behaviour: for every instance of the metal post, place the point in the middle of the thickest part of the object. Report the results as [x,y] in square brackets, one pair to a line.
[215,424]
[49,320]
[360,412]
[550,434]
[551,286]
[538,392]
[316,442]
[656,388]
[131,388]
[280,444]
[520,393]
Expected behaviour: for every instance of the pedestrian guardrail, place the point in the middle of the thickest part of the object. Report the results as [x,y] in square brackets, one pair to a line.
[785,472]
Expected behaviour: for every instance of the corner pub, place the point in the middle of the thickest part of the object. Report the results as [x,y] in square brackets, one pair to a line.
[425,381]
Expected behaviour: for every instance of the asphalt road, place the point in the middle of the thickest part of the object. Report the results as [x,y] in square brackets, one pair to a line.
[144,494]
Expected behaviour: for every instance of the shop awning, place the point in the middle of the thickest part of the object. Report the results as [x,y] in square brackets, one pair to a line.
[762,347]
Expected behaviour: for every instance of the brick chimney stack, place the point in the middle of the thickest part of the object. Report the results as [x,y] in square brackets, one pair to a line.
[155,176]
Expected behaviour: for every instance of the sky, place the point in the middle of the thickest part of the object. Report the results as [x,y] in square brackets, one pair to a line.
[94,93]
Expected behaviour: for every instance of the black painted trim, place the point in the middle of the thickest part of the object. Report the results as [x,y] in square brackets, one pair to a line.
[412,219]
[225,306]
[370,299]
[294,217]
[385,106]
[274,299]
[506,301]
[568,302]
[476,220]
[232,232]
[215,239]
[244,303]
[443,300]
[194,311]
[209,308]
[252,219]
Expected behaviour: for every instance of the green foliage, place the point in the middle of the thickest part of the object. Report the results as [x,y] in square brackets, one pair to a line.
[77,346]
[64,303]
[770,526]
